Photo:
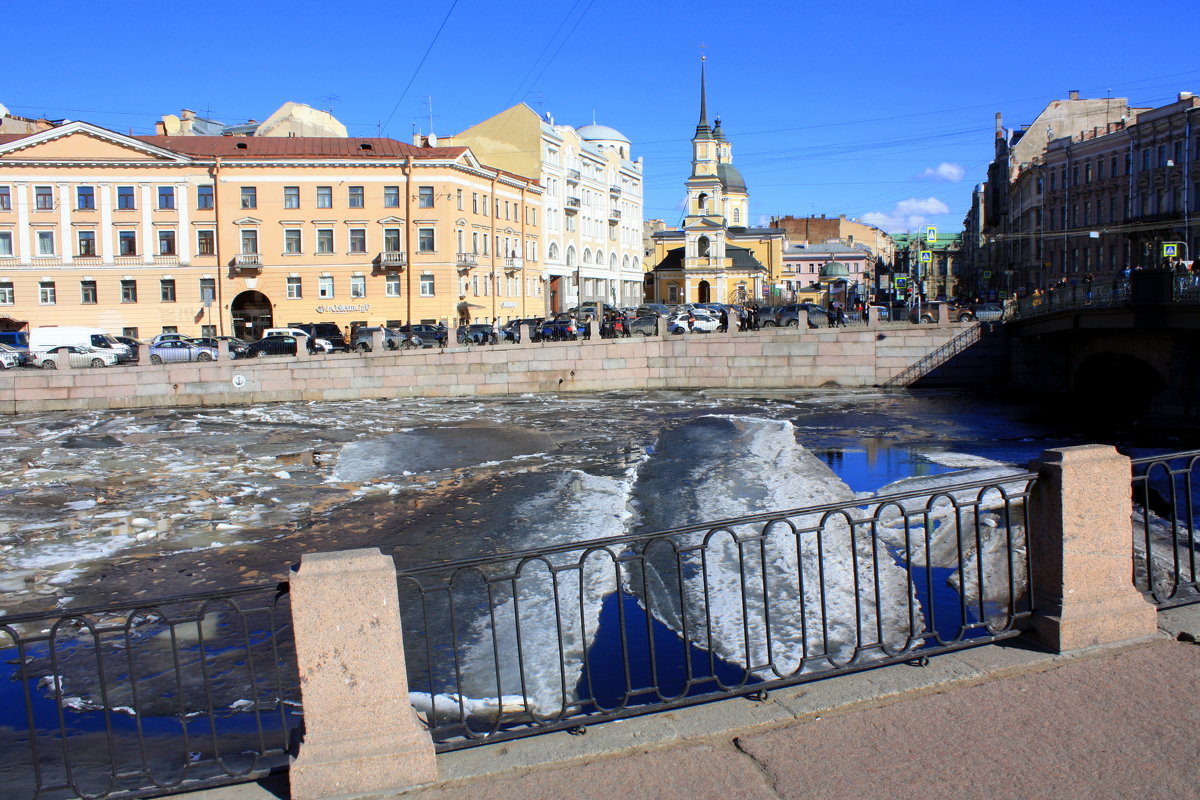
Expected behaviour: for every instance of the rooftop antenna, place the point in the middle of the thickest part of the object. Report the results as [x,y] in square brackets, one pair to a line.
[539,101]
[330,99]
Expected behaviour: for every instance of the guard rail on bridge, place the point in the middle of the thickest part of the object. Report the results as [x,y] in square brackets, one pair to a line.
[1152,286]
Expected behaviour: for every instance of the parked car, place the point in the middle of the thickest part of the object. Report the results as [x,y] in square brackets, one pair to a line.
[279,345]
[560,330]
[45,338]
[79,356]
[177,351]
[170,337]
[789,316]
[317,345]
[984,312]
[133,344]
[475,333]
[764,316]
[704,322]
[328,331]
[924,313]
[429,335]
[21,354]
[393,339]
[9,359]
[657,309]
[512,331]
[237,347]
[646,325]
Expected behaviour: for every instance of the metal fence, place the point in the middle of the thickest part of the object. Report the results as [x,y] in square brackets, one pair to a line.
[1166,527]
[138,700]
[938,357]
[524,643]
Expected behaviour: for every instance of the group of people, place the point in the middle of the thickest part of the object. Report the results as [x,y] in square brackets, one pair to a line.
[835,315]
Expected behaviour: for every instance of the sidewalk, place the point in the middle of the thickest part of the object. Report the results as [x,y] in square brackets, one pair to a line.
[1003,721]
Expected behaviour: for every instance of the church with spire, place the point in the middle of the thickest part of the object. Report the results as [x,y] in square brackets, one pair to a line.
[715,256]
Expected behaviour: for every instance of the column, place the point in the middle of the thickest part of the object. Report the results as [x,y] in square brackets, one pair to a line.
[105,234]
[22,244]
[183,236]
[1081,551]
[147,233]
[360,732]
[66,246]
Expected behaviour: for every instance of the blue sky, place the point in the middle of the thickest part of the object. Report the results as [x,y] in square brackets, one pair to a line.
[880,111]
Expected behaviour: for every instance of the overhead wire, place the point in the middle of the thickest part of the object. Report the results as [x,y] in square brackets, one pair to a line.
[432,42]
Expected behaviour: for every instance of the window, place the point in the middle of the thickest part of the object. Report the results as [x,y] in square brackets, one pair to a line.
[125,198]
[43,198]
[87,243]
[391,286]
[85,198]
[391,197]
[358,286]
[391,240]
[46,295]
[459,198]
[7,295]
[128,291]
[5,198]
[425,240]
[206,331]
[249,197]
[291,197]
[358,240]
[424,197]
[166,243]
[474,203]
[166,197]
[45,240]
[325,240]
[356,197]
[204,196]
[325,287]
[249,241]
[87,293]
[166,290]
[132,333]
[294,292]
[208,291]
[324,197]
[291,240]
[205,243]
[427,284]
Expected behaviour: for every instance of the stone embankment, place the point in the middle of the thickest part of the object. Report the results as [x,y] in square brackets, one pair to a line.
[769,359]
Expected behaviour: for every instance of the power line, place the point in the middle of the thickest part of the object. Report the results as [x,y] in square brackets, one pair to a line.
[421,64]
[517,92]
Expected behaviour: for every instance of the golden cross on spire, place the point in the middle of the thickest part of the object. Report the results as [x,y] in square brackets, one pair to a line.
[702,46]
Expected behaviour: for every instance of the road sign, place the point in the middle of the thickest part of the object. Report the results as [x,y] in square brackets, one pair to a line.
[987,275]
[1170,249]
[931,233]
[901,281]
[926,256]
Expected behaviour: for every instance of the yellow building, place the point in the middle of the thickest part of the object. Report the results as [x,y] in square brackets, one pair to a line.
[715,256]
[230,235]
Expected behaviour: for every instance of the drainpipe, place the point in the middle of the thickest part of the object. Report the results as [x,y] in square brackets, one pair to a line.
[408,238]
[495,202]
[522,281]
[215,172]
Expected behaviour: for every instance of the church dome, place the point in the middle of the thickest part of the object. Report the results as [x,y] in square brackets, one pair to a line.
[835,269]
[604,133]
[731,179]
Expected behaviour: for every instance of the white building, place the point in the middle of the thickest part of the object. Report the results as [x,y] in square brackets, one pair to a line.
[592,229]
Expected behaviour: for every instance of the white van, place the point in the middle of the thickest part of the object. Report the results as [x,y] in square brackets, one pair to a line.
[42,339]
[320,345]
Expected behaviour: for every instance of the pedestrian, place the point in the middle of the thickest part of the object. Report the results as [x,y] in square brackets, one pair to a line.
[495,330]
[691,320]
[831,315]
[724,320]
[841,314]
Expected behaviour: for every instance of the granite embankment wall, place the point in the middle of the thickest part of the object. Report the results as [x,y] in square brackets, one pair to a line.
[770,359]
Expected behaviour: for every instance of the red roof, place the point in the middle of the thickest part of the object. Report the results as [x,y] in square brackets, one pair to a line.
[297,147]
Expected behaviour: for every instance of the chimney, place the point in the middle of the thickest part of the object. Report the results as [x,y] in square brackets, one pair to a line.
[999,127]
[1185,95]
[1073,94]
[160,128]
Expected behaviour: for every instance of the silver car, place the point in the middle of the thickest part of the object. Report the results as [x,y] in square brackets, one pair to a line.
[79,357]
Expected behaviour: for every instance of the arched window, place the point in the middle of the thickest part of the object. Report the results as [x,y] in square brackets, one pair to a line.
[587,255]
[625,262]
[599,258]
[737,216]
[553,254]
[702,247]
[571,256]
[612,261]
[702,201]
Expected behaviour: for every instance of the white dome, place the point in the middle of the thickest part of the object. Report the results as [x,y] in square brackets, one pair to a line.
[601,133]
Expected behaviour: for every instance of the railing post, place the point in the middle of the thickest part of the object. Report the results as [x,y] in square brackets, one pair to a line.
[360,731]
[1081,550]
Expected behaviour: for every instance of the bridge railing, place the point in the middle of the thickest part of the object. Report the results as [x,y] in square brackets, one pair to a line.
[1184,288]
[1166,520]
[518,644]
[144,699]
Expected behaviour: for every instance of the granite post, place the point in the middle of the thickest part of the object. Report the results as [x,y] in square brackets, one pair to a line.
[1081,551]
[360,732]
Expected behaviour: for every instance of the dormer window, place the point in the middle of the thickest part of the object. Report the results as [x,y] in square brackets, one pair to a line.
[366,146]
[241,145]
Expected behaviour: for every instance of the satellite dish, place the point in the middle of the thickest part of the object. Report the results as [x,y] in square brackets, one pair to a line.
[431,139]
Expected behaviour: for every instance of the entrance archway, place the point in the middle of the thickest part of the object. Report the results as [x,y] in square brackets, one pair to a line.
[251,313]
[704,292]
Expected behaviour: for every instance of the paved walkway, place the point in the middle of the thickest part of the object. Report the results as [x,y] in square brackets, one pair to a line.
[994,722]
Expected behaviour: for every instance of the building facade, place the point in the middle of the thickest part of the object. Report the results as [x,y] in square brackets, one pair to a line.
[230,235]
[592,199]
[715,256]
[822,229]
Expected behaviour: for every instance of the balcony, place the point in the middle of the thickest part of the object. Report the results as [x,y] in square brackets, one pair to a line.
[614,215]
[513,263]
[466,260]
[572,176]
[615,191]
[572,205]
[247,261]
[168,260]
[393,258]
[128,261]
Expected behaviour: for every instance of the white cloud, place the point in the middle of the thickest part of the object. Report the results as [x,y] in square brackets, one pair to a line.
[944,173]
[907,215]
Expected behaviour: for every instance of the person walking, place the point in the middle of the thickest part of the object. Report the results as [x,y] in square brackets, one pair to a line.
[691,320]
[724,326]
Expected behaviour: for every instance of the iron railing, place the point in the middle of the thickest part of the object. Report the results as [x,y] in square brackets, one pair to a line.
[518,644]
[1166,527]
[1184,288]
[938,357]
[144,699]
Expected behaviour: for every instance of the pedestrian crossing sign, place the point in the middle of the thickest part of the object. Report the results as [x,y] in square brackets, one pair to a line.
[1170,249]
[931,233]
[926,256]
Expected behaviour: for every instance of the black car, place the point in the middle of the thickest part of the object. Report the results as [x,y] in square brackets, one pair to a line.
[559,330]
[328,331]
[429,335]
[644,326]
[512,331]
[237,347]
[277,346]
[476,333]
[789,316]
